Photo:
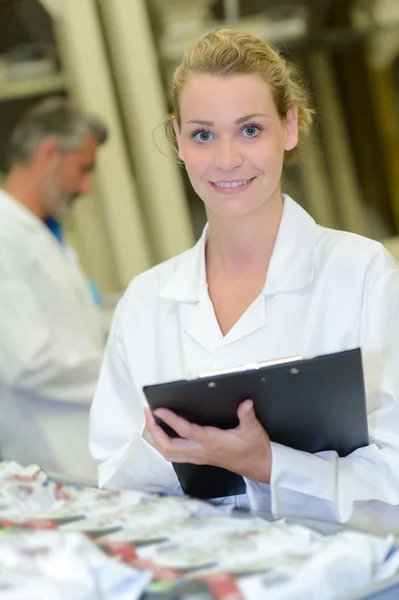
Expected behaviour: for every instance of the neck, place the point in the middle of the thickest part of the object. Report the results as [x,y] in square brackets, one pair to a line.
[241,243]
[24,186]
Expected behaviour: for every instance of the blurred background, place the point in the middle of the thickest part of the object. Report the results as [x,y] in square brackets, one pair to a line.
[115,58]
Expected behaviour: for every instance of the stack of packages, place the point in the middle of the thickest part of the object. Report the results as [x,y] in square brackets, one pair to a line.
[64,543]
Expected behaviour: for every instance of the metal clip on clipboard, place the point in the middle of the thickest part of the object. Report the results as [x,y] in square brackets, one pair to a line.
[250,367]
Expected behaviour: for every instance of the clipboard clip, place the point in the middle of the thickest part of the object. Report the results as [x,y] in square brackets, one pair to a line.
[250,367]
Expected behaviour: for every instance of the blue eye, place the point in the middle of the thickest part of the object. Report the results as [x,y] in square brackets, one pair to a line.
[202,135]
[252,130]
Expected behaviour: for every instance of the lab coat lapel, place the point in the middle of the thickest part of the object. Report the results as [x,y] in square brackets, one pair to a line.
[291,272]
[292,263]
[188,288]
[291,269]
[254,318]
[199,322]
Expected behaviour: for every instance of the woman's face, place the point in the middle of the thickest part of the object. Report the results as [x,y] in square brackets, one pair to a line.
[232,141]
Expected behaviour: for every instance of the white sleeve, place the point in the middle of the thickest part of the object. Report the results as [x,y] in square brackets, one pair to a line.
[363,486]
[31,358]
[124,459]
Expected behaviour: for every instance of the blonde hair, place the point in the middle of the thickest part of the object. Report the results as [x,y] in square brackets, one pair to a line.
[227,52]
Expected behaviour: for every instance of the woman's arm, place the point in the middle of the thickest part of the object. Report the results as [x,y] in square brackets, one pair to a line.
[124,459]
[364,486]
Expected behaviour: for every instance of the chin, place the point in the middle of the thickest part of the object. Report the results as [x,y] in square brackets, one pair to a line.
[230,207]
[62,212]
[237,212]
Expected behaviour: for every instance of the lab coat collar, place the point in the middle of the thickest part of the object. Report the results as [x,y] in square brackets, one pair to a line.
[188,282]
[291,266]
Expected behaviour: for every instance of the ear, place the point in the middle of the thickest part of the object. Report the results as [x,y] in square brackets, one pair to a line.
[48,153]
[176,129]
[291,128]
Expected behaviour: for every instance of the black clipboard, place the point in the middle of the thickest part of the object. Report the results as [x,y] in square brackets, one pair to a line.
[311,404]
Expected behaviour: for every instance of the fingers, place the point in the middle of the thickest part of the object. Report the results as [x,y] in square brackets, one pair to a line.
[183,428]
[173,449]
[148,416]
[156,432]
[246,414]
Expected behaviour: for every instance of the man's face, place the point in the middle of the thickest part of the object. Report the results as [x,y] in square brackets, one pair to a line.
[70,178]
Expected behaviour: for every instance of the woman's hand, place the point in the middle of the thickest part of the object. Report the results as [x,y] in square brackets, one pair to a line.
[244,450]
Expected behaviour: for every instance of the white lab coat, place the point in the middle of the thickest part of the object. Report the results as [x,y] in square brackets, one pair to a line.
[50,347]
[325,291]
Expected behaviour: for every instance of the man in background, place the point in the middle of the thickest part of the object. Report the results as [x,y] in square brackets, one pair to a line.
[50,338]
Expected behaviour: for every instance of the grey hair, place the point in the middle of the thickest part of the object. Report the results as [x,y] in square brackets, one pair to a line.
[53,117]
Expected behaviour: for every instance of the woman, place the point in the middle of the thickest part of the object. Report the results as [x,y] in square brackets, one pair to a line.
[263,282]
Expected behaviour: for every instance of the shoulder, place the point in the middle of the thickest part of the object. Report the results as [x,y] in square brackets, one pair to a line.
[20,243]
[353,258]
[12,248]
[332,253]
[354,251]
[145,289]
[17,225]
[154,279]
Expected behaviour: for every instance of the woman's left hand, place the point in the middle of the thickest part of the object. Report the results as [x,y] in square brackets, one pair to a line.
[244,450]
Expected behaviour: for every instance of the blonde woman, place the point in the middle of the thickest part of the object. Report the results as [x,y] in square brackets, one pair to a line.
[263,282]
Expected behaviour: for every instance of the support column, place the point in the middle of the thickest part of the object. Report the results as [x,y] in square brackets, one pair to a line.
[142,97]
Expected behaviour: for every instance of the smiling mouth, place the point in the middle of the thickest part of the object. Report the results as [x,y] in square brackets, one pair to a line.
[232,184]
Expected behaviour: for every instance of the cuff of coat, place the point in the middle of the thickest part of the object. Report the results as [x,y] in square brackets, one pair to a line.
[304,485]
[138,466]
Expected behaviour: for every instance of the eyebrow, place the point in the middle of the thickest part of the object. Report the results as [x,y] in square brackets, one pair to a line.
[238,121]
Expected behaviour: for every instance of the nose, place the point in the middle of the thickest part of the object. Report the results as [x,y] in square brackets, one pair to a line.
[228,155]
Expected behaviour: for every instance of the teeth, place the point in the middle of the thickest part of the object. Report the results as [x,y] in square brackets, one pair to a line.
[231,184]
